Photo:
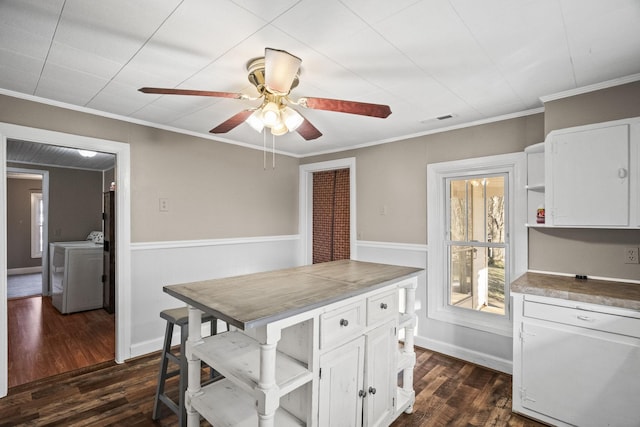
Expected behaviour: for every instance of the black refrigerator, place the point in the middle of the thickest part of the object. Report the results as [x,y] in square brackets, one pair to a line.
[109,267]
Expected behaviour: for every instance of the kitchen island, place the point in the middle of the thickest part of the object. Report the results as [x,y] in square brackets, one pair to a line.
[310,346]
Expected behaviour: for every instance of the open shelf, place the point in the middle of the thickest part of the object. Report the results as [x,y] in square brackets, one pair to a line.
[237,357]
[224,404]
[405,360]
[406,319]
[404,400]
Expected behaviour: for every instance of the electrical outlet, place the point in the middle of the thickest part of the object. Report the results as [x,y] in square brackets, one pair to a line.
[631,256]
[164,205]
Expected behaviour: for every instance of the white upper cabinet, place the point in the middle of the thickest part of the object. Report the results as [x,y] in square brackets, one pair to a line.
[591,176]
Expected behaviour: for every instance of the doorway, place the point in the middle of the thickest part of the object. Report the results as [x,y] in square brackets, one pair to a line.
[123,273]
[306,208]
[69,300]
[331,215]
[28,188]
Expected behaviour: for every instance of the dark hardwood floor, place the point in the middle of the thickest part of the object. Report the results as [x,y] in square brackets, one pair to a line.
[450,392]
[43,342]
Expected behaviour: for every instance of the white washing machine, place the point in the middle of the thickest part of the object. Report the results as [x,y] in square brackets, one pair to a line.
[75,270]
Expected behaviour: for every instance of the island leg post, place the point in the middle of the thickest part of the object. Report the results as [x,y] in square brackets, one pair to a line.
[193,384]
[407,374]
[267,389]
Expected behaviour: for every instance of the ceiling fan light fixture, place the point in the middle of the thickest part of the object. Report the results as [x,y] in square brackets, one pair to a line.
[291,118]
[281,68]
[279,129]
[255,121]
[270,114]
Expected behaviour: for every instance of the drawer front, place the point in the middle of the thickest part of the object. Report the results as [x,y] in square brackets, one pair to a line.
[382,307]
[340,324]
[583,318]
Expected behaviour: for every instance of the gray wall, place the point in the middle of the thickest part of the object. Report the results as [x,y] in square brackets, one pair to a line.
[75,202]
[215,190]
[19,222]
[395,175]
[590,252]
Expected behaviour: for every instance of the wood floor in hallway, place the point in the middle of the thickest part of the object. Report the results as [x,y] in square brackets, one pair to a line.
[43,342]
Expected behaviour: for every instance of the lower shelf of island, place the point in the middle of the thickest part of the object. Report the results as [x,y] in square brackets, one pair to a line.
[405,399]
[237,357]
[224,404]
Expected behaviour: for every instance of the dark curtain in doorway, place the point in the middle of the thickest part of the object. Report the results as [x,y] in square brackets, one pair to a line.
[331,214]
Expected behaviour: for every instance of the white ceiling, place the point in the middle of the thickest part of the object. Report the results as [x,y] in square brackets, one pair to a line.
[473,59]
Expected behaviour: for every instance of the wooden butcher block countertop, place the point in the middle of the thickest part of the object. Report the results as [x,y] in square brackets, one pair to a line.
[603,292]
[257,299]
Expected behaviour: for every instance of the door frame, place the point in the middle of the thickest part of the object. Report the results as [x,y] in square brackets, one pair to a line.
[305,214]
[45,227]
[123,231]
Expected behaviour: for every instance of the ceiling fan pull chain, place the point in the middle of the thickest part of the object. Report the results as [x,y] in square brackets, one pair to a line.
[264,149]
[273,151]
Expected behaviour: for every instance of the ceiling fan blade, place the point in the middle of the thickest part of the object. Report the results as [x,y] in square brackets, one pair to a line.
[232,122]
[167,91]
[308,131]
[280,69]
[351,107]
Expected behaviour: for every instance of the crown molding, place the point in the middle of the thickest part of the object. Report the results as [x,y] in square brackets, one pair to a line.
[590,88]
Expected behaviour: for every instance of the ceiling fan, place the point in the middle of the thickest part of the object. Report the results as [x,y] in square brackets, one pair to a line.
[274,76]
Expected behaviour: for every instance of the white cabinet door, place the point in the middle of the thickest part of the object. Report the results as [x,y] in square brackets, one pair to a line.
[579,376]
[380,376]
[589,178]
[341,382]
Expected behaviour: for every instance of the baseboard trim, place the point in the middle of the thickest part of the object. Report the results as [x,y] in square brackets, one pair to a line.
[24,270]
[482,359]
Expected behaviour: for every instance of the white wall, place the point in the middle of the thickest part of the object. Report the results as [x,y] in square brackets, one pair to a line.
[156,264]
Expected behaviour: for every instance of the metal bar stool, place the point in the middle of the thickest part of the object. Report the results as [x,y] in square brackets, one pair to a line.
[180,317]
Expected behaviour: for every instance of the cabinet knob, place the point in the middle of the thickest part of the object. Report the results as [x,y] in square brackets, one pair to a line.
[344,322]
[372,390]
[362,393]
[383,305]
[622,173]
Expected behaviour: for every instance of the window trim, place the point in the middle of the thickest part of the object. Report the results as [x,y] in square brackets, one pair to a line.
[37,230]
[514,165]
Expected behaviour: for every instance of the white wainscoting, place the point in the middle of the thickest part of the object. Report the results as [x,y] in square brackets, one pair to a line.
[478,347]
[156,264]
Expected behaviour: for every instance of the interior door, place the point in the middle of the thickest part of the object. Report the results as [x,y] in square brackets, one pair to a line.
[331,215]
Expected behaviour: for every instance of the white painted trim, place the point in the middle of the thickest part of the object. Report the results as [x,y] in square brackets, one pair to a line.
[4,333]
[393,246]
[305,200]
[590,88]
[123,230]
[24,270]
[515,164]
[45,229]
[210,242]
[260,147]
[434,131]
[94,112]
[482,359]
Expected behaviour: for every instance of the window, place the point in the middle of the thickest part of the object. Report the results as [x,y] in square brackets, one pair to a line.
[475,243]
[477,240]
[37,225]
